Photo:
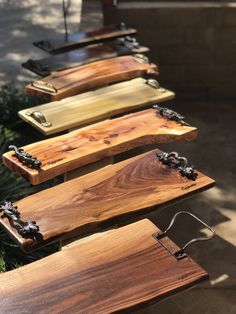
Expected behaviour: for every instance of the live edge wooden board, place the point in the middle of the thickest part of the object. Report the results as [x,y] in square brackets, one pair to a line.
[73,81]
[121,270]
[82,39]
[81,147]
[85,204]
[95,105]
[119,47]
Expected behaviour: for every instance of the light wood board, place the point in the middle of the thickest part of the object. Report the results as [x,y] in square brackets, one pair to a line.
[96,105]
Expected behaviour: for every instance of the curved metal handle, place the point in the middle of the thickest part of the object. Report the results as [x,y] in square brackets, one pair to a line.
[180,252]
[155,84]
[39,117]
[45,86]
[141,58]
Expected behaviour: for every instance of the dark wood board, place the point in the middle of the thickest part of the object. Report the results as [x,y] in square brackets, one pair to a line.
[79,79]
[70,59]
[82,39]
[97,141]
[124,269]
[83,205]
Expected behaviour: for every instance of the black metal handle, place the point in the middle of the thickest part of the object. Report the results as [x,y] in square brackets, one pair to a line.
[44,44]
[122,26]
[34,64]
[25,158]
[26,228]
[180,252]
[129,42]
[170,114]
[141,58]
[173,160]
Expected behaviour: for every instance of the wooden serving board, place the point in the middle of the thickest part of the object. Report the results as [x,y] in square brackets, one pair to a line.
[73,81]
[87,145]
[123,269]
[70,59]
[96,105]
[82,39]
[86,204]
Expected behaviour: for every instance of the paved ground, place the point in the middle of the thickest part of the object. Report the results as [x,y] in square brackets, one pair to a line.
[214,152]
[22,22]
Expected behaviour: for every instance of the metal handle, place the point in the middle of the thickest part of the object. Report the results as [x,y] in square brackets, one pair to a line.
[25,158]
[39,117]
[180,252]
[170,114]
[141,58]
[45,86]
[155,84]
[129,42]
[34,64]
[122,26]
[26,228]
[174,161]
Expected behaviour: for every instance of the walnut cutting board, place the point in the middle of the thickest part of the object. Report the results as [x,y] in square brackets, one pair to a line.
[73,81]
[82,39]
[123,269]
[46,66]
[87,145]
[87,203]
[93,106]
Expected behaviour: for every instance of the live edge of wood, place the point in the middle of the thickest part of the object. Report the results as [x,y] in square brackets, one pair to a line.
[96,105]
[86,204]
[98,141]
[124,269]
[79,79]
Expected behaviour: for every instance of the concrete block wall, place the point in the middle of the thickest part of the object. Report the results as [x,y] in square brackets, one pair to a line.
[194,45]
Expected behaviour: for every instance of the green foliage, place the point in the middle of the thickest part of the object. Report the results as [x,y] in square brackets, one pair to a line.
[11,101]
[12,187]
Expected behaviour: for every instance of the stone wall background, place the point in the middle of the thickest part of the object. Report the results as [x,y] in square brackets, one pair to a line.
[194,44]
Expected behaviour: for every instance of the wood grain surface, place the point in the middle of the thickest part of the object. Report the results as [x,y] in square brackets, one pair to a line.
[123,269]
[79,79]
[88,203]
[96,105]
[46,66]
[82,39]
[87,145]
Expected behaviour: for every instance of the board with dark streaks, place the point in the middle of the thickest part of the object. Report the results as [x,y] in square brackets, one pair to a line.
[124,269]
[116,192]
